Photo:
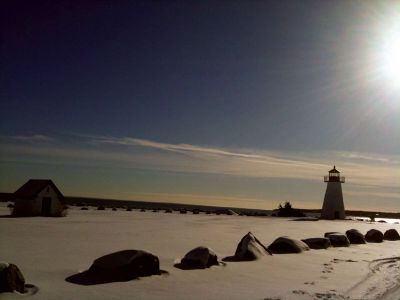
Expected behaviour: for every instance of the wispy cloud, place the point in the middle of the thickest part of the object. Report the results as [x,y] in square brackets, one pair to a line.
[169,147]
[367,157]
[360,168]
[36,138]
[373,193]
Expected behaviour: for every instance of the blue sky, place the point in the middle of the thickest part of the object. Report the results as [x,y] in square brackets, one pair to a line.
[242,103]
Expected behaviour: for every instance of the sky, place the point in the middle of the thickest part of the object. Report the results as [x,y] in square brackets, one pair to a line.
[233,103]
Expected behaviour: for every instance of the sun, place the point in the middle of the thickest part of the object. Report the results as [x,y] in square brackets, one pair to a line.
[391,57]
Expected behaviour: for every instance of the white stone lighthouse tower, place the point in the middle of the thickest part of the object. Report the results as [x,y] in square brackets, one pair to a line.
[333,207]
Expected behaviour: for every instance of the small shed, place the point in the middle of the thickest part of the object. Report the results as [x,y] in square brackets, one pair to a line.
[38,197]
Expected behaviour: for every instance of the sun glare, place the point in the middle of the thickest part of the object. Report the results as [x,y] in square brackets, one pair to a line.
[392,58]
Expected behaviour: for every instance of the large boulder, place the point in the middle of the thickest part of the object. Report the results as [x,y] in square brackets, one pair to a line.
[11,278]
[317,243]
[285,244]
[337,239]
[391,235]
[250,248]
[125,265]
[355,236]
[199,258]
[374,236]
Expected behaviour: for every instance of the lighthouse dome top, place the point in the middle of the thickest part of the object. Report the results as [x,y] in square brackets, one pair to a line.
[334,176]
[334,170]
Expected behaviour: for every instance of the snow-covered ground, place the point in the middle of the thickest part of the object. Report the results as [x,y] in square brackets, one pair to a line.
[48,250]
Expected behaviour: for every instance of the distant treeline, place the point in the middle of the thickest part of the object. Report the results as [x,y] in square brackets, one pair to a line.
[83,201]
[136,204]
[361,213]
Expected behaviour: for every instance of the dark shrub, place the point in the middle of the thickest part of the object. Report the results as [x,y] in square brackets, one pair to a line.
[288,211]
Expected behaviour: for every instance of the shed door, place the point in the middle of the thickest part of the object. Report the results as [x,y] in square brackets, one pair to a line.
[46,206]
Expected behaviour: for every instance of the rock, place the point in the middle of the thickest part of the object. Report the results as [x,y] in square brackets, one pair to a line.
[306,219]
[3,265]
[11,278]
[355,236]
[230,212]
[317,243]
[374,236]
[337,239]
[199,258]
[126,265]
[250,248]
[391,235]
[285,244]
[331,232]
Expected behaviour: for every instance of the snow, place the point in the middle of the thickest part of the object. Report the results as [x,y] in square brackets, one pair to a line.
[48,250]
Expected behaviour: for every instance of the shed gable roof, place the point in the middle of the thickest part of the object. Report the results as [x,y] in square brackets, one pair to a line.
[34,186]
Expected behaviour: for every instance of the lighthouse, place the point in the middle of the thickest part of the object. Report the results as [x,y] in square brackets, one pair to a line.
[333,207]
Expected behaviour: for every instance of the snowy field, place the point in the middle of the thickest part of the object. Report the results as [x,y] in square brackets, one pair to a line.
[48,250]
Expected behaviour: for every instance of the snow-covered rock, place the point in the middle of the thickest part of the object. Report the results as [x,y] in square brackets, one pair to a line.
[317,243]
[286,244]
[374,236]
[199,258]
[355,236]
[250,248]
[337,239]
[126,265]
[11,278]
[391,235]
